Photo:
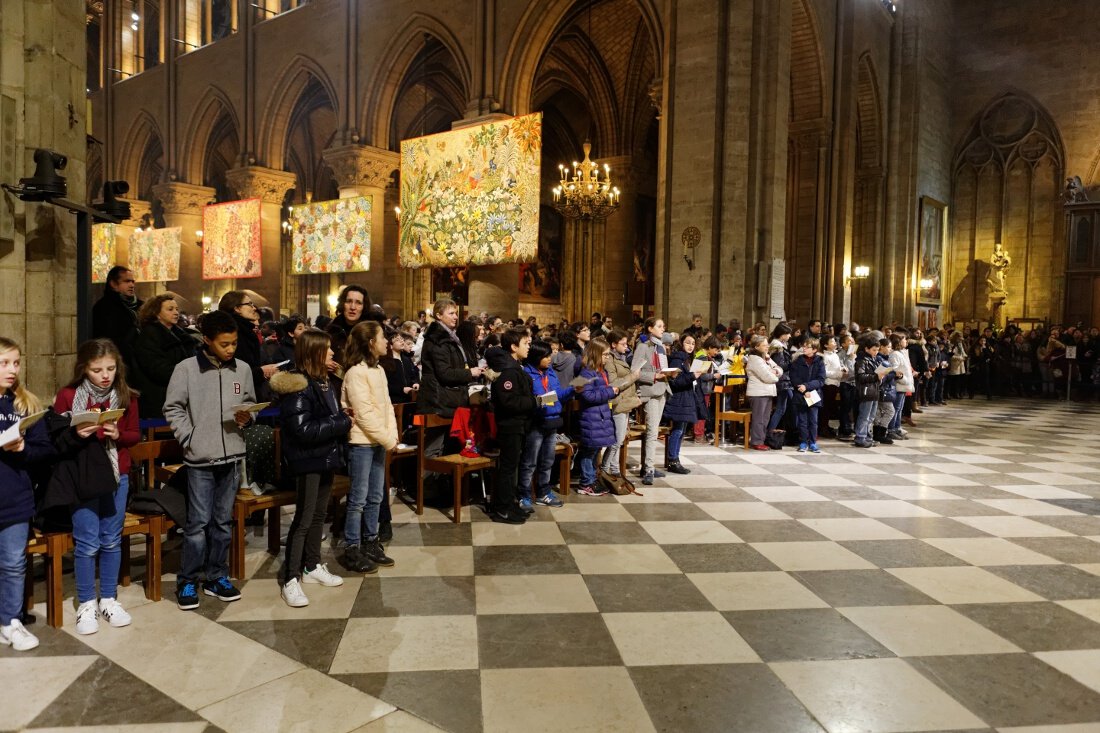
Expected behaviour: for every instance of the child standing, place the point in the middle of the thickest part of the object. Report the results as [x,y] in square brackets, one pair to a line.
[807,374]
[514,406]
[887,393]
[781,338]
[597,425]
[763,374]
[314,426]
[649,358]
[538,453]
[849,395]
[834,373]
[198,401]
[17,495]
[94,471]
[624,403]
[867,386]
[373,432]
[683,407]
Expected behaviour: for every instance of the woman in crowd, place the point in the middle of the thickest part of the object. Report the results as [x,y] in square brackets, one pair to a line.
[763,374]
[352,307]
[160,345]
[781,337]
[981,368]
[958,370]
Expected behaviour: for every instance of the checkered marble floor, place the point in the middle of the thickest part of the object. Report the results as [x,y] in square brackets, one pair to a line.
[950,582]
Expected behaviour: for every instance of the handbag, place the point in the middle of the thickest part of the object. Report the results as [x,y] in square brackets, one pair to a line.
[775,439]
[617,485]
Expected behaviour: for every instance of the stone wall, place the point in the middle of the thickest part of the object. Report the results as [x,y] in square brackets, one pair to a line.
[42,80]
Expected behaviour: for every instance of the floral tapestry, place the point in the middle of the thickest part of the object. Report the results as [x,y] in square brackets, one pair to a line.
[231,240]
[332,236]
[155,254]
[103,251]
[471,196]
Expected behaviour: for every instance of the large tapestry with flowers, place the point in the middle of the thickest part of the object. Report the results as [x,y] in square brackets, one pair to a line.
[103,251]
[155,254]
[331,236]
[231,240]
[471,196]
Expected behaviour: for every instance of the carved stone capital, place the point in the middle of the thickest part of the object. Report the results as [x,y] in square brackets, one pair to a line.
[256,182]
[182,198]
[138,209]
[656,91]
[362,165]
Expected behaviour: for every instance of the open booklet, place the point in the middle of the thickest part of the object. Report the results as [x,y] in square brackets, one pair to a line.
[95,417]
[547,398]
[16,430]
[249,408]
[701,365]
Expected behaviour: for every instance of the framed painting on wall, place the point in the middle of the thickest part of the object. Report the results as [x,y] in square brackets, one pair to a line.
[103,251]
[471,196]
[231,240]
[155,254]
[933,224]
[331,236]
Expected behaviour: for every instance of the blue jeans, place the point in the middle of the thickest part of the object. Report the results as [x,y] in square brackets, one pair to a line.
[367,472]
[899,404]
[867,411]
[209,527]
[675,439]
[586,456]
[538,455]
[781,398]
[13,566]
[97,530]
[806,419]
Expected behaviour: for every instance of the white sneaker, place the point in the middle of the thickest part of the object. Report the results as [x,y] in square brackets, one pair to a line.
[114,613]
[16,636]
[293,595]
[321,576]
[87,618]
[256,489]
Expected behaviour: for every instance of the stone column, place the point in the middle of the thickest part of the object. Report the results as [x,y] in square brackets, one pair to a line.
[270,186]
[616,249]
[181,204]
[363,170]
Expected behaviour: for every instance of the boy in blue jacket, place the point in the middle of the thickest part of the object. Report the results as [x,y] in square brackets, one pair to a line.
[807,374]
[538,453]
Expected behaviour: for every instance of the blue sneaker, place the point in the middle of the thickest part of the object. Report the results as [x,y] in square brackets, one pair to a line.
[801,447]
[526,506]
[814,448]
[221,589]
[550,499]
[187,597]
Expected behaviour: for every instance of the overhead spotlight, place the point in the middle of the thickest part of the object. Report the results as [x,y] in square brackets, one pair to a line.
[111,206]
[45,184]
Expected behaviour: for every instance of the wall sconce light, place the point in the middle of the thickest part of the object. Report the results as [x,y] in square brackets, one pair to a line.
[859,272]
[397,214]
[926,284]
[206,301]
[198,237]
[333,299]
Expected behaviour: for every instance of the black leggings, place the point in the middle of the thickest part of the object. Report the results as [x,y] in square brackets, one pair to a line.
[303,544]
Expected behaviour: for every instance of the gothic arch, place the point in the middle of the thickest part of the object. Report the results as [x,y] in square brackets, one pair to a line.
[282,102]
[869,133]
[867,199]
[534,34]
[807,66]
[143,131]
[311,129]
[431,95]
[213,106]
[1008,173]
[400,53]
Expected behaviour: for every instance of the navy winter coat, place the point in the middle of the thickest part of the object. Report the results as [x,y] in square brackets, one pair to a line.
[812,375]
[685,404]
[314,426]
[550,415]
[887,390]
[16,491]
[597,427]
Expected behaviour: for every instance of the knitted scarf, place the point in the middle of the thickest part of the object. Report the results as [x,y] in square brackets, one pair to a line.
[87,395]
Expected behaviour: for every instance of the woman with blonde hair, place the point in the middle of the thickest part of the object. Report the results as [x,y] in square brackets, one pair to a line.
[160,345]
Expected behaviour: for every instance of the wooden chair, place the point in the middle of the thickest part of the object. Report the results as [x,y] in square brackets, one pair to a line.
[399,453]
[733,415]
[457,465]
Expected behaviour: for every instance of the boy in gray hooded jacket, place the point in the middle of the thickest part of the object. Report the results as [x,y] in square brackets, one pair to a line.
[199,407]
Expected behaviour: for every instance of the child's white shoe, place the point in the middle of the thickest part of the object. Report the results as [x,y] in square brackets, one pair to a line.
[321,576]
[16,636]
[114,613]
[293,594]
[87,618]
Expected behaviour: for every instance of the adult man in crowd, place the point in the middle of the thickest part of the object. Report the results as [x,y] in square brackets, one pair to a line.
[114,316]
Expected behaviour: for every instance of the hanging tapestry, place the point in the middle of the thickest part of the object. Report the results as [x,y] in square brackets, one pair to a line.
[155,254]
[331,236]
[231,240]
[103,251]
[471,196]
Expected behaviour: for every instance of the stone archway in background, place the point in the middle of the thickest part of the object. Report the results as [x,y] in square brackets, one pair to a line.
[867,214]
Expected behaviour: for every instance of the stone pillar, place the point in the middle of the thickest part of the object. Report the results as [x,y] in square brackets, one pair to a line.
[616,250]
[362,170]
[270,186]
[181,204]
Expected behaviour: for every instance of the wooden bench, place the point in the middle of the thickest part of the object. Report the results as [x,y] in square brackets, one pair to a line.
[735,415]
[53,546]
[457,465]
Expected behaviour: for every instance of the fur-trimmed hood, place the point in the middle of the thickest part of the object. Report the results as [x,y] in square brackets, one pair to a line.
[284,383]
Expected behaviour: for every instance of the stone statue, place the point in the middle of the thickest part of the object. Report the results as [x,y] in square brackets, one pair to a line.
[1075,191]
[998,269]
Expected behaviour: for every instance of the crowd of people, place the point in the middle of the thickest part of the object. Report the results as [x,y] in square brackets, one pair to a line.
[335,383]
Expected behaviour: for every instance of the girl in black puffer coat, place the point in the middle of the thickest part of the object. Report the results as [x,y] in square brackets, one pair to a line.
[685,405]
[314,428]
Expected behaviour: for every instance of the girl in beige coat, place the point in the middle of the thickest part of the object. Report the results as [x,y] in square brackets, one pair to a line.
[373,432]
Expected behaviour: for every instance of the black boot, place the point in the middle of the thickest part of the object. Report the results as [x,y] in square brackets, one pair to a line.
[356,561]
[677,467]
[385,531]
[881,436]
[373,550]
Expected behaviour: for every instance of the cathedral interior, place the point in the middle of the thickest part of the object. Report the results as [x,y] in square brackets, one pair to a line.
[920,162]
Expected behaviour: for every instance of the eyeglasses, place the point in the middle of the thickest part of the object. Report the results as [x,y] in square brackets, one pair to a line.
[248,303]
